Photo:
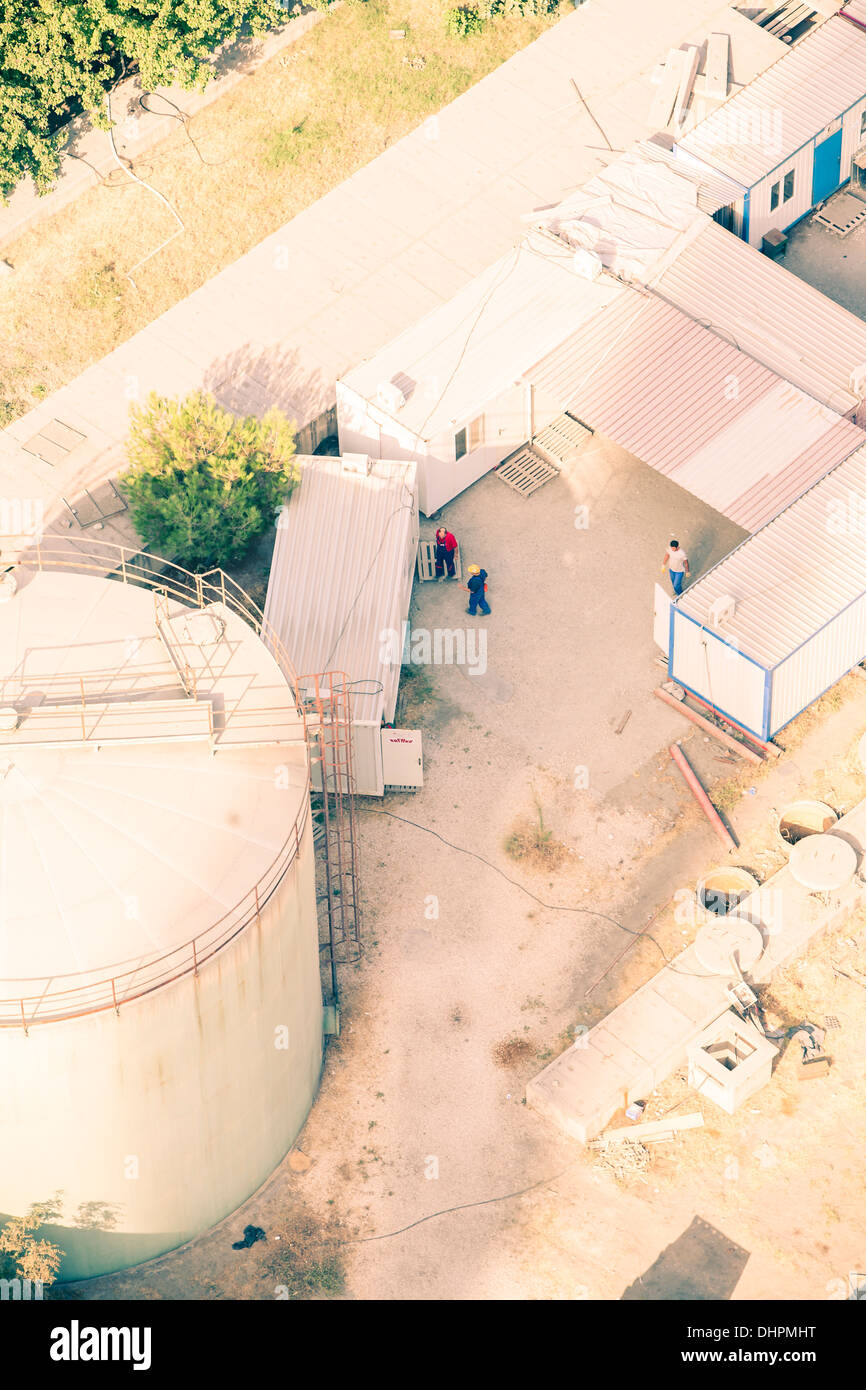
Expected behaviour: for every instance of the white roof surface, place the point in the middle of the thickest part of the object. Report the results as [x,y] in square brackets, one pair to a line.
[696,408]
[760,127]
[630,215]
[119,855]
[774,316]
[400,236]
[779,577]
[454,361]
[339,570]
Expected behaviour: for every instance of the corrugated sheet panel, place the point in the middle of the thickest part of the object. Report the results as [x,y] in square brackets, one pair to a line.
[695,408]
[344,550]
[818,664]
[714,190]
[798,572]
[855,11]
[769,313]
[761,126]
[458,358]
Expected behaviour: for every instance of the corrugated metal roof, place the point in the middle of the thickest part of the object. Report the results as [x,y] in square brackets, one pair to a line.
[758,128]
[463,354]
[797,572]
[855,10]
[714,189]
[339,567]
[769,313]
[695,408]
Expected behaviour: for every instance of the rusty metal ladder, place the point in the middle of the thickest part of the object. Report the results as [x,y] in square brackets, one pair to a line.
[329,725]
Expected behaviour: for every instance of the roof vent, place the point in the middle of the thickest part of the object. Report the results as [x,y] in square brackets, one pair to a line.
[857,380]
[390,397]
[357,463]
[722,610]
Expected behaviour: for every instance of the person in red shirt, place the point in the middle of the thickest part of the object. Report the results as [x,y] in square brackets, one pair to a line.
[446,547]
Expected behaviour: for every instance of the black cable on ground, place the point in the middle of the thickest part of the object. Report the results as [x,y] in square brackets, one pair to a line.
[549,907]
[184,120]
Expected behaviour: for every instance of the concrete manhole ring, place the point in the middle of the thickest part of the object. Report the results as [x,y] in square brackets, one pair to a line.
[823,863]
[727,937]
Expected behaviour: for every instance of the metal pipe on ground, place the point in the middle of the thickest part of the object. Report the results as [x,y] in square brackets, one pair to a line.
[701,797]
[740,749]
[771,748]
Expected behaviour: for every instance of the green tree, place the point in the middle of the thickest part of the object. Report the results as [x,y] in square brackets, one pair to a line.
[31,1257]
[62,55]
[203,483]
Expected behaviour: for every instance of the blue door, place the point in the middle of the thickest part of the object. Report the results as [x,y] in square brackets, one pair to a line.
[825,169]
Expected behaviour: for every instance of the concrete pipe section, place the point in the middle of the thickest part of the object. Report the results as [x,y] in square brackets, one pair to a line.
[823,863]
[720,891]
[727,943]
[803,818]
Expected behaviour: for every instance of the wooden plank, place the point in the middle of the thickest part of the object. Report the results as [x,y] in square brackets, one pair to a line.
[425,563]
[687,82]
[671,1125]
[665,98]
[718,59]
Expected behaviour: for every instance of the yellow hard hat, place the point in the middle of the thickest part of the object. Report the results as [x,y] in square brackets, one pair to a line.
[474,569]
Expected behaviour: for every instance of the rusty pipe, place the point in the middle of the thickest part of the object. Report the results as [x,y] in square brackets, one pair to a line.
[701,797]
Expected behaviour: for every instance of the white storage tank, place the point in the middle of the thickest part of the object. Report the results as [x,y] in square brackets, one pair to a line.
[160,999]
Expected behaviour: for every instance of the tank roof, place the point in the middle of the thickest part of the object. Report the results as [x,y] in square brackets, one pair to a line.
[157,768]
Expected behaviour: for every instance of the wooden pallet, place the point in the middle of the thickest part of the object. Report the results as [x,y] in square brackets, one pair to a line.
[844,217]
[560,438]
[425,563]
[526,471]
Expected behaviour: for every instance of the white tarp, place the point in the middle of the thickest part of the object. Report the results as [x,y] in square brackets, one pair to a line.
[630,215]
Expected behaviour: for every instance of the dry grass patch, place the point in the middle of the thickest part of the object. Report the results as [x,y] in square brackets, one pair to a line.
[280,140]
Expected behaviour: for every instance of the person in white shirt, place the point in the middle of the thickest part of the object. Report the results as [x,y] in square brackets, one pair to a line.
[676,562]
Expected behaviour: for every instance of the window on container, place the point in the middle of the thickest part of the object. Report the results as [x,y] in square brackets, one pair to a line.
[469,438]
[788,189]
[774,197]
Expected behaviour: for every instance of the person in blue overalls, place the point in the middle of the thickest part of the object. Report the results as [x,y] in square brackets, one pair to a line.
[476,587]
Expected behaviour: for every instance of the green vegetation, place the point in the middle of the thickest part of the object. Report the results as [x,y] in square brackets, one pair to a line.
[464,21]
[204,484]
[532,842]
[26,1255]
[58,59]
[294,143]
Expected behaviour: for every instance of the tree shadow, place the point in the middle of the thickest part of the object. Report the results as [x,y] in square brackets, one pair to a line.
[252,380]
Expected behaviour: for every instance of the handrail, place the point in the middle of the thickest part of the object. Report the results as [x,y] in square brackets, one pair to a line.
[49,999]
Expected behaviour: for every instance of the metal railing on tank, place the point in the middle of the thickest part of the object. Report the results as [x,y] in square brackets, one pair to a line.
[24,1003]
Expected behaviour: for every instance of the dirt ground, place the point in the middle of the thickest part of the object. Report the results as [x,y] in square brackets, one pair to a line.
[425,1176]
[835,265]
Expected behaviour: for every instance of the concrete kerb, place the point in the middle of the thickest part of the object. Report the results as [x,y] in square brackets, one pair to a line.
[646,1037]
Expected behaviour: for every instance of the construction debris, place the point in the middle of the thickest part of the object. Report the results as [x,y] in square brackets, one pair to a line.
[650,1129]
[622,723]
[621,1160]
[725,739]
